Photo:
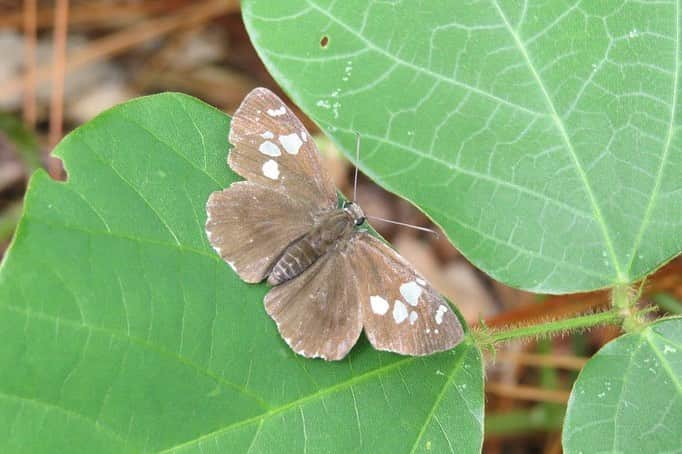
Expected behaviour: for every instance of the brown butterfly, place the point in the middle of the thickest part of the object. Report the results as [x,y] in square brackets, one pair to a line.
[330,277]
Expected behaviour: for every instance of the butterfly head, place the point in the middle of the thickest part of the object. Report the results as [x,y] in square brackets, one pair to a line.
[354,211]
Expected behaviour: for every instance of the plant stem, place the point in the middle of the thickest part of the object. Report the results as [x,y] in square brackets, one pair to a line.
[558,326]
[620,297]
[623,299]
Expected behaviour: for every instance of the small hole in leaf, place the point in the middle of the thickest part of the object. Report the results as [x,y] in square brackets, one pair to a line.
[324,41]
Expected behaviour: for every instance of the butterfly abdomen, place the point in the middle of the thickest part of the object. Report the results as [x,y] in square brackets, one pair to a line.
[302,253]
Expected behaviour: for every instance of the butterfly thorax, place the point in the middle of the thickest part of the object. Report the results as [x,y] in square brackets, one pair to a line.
[332,230]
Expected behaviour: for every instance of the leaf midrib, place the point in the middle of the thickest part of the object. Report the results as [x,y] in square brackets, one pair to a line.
[666,149]
[662,359]
[319,394]
[558,122]
[436,403]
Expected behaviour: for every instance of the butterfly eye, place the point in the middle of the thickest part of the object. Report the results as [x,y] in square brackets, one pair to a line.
[355,212]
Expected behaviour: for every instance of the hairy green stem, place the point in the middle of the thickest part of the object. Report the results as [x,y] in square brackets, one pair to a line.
[558,326]
[620,297]
[623,299]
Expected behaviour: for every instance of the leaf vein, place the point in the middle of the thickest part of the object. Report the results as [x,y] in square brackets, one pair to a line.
[567,141]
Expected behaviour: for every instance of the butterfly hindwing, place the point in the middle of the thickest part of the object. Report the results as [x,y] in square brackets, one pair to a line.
[250,225]
[273,148]
[318,313]
[401,312]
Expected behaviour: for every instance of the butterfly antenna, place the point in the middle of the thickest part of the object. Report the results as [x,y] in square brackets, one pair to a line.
[355,192]
[357,163]
[416,227]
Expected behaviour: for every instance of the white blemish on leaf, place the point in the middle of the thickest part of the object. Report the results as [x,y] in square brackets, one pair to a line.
[291,143]
[411,291]
[271,169]
[277,112]
[267,135]
[323,103]
[347,70]
[379,305]
[413,317]
[439,313]
[399,311]
[269,148]
[668,349]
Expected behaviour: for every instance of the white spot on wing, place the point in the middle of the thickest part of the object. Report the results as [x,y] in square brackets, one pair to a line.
[291,143]
[411,291]
[267,135]
[421,281]
[439,314]
[271,169]
[277,112]
[413,317]
[269,148]
[399,311]
[379,305]
[304,136]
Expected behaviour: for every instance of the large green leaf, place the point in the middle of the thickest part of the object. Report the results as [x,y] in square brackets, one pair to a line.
[123,331]
[543,136]
[628,398]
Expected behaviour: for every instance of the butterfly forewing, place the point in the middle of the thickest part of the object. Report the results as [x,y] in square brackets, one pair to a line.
[273,148]
[284,208]
[249,225]
[401,312]
[318,313]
